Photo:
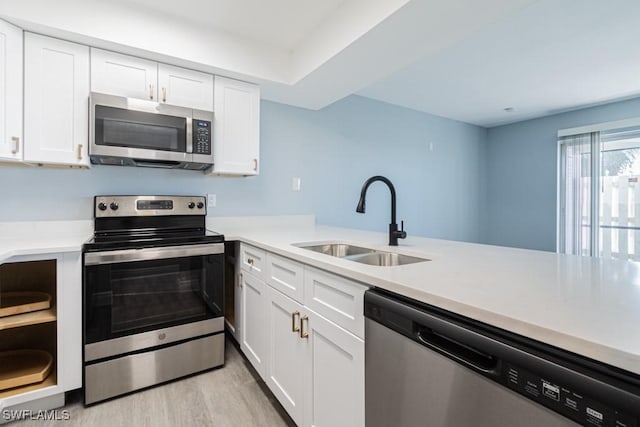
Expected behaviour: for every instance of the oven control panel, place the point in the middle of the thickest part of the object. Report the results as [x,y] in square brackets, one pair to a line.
[129,206]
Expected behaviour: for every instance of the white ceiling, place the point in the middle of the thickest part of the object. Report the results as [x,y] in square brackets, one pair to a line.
[283,23]
[552,56]
[463,59]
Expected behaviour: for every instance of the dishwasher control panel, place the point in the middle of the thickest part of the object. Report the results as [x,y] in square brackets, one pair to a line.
[576,406]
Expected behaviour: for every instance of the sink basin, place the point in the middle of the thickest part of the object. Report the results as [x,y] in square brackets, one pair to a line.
[386,259]
[362,255]
[339,250]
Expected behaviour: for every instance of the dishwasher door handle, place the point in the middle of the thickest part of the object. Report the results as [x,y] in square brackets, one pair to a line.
[459,352]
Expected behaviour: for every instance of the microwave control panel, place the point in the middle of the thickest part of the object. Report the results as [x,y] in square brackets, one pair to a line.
[201,137]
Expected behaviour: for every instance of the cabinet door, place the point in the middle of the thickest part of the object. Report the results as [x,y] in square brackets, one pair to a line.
[56,101]
[253,342]
[236,130]
[123,75]
[286,353]
[334,376]
[186,88]
[10,92]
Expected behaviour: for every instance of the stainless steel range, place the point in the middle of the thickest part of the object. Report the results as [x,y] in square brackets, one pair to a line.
[153,294]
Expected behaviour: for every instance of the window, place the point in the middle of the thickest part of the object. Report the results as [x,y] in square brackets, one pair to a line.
[599,193]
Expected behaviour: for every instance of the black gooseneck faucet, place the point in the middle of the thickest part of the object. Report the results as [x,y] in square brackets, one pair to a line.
[394,233]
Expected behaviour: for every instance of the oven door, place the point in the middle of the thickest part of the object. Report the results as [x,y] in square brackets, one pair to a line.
[133,291]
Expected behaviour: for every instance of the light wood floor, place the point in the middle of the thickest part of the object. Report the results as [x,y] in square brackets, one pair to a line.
[230,396]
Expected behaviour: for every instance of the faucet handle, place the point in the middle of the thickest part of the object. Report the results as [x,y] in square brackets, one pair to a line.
[402,234]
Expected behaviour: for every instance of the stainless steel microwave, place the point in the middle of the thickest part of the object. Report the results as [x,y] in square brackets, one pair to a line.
[135,132]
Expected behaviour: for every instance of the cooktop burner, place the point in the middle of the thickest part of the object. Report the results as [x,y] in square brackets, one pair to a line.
[126,222]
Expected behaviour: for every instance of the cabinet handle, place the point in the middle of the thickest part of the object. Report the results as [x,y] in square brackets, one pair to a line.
[164,94]
[16,144]
[303,334]
[79,151]
[255,165]
[294,328]
[151,92]
[240,278]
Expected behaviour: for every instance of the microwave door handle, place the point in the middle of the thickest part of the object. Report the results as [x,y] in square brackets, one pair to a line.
[148,254]
[189,135]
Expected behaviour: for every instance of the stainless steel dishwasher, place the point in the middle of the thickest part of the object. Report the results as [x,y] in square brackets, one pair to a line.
[429,367]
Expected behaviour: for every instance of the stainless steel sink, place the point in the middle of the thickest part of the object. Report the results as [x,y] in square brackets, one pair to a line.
[339,250]
[386,259]
[362,255]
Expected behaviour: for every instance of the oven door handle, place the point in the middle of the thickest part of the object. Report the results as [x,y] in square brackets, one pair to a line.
[146,254]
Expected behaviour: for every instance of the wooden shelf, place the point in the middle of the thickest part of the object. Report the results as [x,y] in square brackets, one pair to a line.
[26,319]
[51,380]
[12,303]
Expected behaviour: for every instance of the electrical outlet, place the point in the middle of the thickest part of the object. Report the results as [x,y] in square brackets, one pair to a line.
[211,200]
[296,182]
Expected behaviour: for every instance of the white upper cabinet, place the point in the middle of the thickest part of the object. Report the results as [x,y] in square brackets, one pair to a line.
[10,92]
[236,130]
[123,75]
[186,88]
[133,77]
[56,101]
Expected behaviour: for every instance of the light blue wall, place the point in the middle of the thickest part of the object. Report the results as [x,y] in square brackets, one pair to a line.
[520,175]
[333,150]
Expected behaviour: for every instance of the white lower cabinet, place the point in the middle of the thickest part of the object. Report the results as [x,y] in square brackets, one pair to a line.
[253,315]
[312,364]
[286,353]
[56,330]
[334,375]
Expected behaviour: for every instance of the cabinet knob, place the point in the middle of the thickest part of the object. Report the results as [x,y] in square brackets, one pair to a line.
[250,261]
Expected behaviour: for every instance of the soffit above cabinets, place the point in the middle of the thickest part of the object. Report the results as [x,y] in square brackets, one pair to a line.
[467,60]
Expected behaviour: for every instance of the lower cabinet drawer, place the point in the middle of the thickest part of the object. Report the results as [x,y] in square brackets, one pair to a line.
[286,276]
[125,374]
[252,260]
[337,299]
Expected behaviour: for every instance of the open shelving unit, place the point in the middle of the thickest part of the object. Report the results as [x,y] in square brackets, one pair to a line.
[35,330]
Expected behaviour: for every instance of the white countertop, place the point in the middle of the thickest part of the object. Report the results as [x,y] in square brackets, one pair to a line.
[43,237]
[584,305]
